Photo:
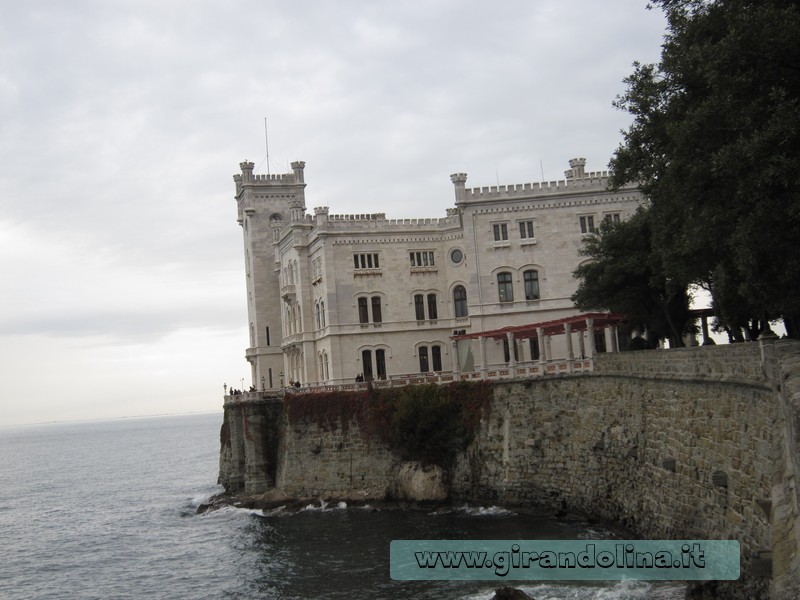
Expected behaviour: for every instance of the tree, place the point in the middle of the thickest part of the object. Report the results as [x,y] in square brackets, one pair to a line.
[715,146]
[625,276]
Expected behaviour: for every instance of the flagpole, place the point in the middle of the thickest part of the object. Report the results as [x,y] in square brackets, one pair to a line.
[266,143]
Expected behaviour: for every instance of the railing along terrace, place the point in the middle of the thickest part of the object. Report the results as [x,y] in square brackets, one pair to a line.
[494,372]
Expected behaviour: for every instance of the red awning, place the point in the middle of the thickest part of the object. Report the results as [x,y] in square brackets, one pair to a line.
[555,327]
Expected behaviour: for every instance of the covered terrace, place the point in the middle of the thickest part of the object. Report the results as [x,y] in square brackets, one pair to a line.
[543,361]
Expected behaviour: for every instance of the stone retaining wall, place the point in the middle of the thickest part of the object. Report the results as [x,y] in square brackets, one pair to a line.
[696,443]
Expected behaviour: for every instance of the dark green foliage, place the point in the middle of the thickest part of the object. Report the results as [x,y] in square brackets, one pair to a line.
[432,423]
[428,423]
[715,145]
[626,276]
[330,410]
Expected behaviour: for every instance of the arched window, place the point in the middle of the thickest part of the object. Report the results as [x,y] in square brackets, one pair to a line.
[505,287]
[433,312]
[424,366]
[363,310]
[419,307]
[322,314]
[460,301]
[430,358]
[298,323]
[377,316]
[531,279]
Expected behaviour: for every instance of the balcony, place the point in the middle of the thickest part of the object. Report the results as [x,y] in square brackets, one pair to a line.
[288,293]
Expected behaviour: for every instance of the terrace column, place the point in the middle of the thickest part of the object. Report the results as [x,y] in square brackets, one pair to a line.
[568,333]
[590,337]
[454,354]
[482,352]
[512,354]
[581,345]
[542,347]
[570,353]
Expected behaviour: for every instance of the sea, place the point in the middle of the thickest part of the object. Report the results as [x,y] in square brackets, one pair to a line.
[108,509]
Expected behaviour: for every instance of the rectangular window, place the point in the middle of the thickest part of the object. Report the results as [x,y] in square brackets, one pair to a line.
[267,336]
[531,285]
[419,307]
[460,301]
[366,364]
[363,313]
[366,261]
[380,363]
[436,357]
[376,309]
[612,218]
[526,230]
[423,359]
[500,231]
[587,224]
[421,259]
[505,287]
[433,312]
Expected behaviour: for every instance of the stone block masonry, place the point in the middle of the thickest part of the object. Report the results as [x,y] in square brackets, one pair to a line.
[696,443]
[343,462]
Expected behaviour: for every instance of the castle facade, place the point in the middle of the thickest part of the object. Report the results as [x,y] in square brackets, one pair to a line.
[332,298]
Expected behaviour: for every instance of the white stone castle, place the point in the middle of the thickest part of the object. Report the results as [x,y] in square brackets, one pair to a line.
[336,298]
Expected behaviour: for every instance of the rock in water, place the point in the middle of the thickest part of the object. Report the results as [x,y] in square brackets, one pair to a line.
[510,593]
[420,483]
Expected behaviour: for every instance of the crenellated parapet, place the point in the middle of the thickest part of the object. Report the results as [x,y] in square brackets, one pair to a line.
[594,180]
[576,180]
[378,221]
[362,217]
[248,179]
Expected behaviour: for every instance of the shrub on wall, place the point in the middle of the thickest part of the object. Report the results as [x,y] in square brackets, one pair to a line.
[428,423]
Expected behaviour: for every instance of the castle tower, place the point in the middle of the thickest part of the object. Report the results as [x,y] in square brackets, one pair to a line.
[577,169]
[264,204]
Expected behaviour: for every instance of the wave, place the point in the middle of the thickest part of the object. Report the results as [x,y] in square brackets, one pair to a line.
[324,507]
[235,510]
[202,499]
[620,590]
[477,511]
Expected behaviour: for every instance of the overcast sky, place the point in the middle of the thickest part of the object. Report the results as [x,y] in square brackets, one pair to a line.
[122,122]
